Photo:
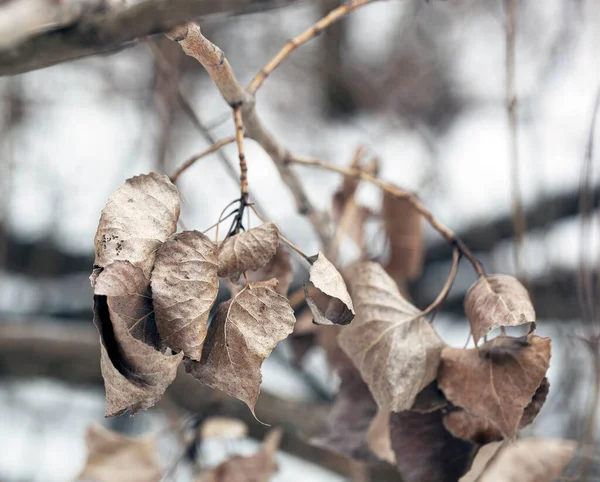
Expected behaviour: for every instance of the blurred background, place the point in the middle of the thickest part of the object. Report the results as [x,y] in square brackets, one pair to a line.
[420,84]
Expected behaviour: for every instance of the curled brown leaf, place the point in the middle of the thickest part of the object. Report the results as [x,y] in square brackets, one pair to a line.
[327,279]
[184,288]
[242,334]
[137,218]
[497,300]
[394,347]
[498,381]
[135,372]
[248,251]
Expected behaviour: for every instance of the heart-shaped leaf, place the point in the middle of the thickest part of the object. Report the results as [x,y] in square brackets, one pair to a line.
[496,381]
[184,288]
[394,347]
[497,300]
[242,334]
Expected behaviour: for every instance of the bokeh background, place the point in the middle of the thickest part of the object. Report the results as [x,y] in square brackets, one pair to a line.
[421,84]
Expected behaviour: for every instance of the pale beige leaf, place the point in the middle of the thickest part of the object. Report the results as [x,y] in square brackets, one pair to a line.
[184,288]
[280,267]
[378,437]
[403,227]
[325,277]
[496,381]
[242,334]
[395,348]
[529,460]
[114,457]
[497,300]
[248,251]
[135,372]
[223,427]
[259,467]
[137,219]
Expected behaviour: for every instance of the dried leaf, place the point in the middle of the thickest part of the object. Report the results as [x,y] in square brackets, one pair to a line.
[350,417]
[531,411]
[280,267]
[248,251]
[483,458]
[325,277]
[528,460]
[378,437]
[395,348]
[242,334]
[112,456]
[223,427]
[254,468]
[425,451]
[402,224]
[137,219]
[498,380]
[184,288]
[135,372]
[497,300]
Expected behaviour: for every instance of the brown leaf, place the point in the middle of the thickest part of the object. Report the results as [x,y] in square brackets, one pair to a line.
[484,456]
[425,451]
[526,460]
[349,420]
[325,277]
[498,380]
[280,267]
[248,251]
[137,219]
[467,426]
[497,300]
[254,468]
[242,334]
[112,456]
[402,224]
[395,348]
[135,372]
[184,288]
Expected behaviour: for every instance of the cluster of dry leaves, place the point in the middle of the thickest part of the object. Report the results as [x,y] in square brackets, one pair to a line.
[154,290]
[405,397]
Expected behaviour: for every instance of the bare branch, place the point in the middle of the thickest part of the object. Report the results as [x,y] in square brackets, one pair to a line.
[213,60]
[113,30]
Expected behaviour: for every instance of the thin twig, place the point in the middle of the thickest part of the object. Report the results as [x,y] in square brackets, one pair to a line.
[518,215]
[332,17]
[239,139]
[192,160]
[446,232]
[446,289]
